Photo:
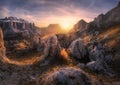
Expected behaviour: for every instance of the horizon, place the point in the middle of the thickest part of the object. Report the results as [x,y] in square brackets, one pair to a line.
[66,13]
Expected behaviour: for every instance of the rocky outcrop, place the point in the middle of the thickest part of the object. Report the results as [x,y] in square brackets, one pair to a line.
[52,47]
[80,26]
[64,40]
[101,23]
[66,76]
[99,59]
[17,31]
[78,50]
[14,28]
[104,21]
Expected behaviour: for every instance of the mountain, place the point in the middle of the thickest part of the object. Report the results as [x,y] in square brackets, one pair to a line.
[80,26]
[51,29]
[102,21]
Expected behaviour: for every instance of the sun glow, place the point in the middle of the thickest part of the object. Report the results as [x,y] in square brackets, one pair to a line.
[66,25]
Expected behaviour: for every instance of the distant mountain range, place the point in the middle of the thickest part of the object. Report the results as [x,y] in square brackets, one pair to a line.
[51,29]
[100,23]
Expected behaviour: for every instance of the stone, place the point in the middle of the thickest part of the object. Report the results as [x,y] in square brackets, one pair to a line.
[52,47]
[15,29]
[66,76]
[78,50]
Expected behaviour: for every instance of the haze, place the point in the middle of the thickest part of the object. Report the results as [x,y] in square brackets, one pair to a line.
[63,12]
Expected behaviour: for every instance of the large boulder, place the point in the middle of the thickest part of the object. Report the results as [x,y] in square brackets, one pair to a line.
[51,50]
[52,47]
[78,50]
[66,76]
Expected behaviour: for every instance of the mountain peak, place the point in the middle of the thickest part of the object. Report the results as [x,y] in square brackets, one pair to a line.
[82,21]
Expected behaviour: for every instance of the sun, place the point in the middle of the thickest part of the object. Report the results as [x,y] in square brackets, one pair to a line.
[66,26]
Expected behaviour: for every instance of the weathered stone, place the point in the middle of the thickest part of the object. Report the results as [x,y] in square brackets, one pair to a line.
[78,50]
[66,76]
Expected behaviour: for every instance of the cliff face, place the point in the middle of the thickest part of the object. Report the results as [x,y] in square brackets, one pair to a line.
[12,27]
[101,22]
[80,26]
[19,34]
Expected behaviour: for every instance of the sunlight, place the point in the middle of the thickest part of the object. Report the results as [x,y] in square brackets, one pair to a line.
[66,25]
[65,55]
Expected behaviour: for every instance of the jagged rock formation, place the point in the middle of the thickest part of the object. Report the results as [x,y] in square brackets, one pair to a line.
[100,23]
[12,27]
[18,34]
[52,47]
[66,76]
[104,28]
[104,21]
[80,26]
[64,40]
[78,50]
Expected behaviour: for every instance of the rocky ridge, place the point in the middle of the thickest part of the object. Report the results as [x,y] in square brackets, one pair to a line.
[19,34]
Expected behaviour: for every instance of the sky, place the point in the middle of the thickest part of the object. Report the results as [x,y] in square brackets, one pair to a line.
[63,12]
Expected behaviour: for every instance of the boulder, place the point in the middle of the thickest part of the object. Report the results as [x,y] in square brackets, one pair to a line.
[66,76]
[99,59]
[52,47]
[99,66]
[51,50]
[78,50]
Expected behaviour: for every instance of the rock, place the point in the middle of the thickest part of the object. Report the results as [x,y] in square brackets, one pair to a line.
[81,25]
[64,40]
[78,50]
[51,51]
[99,59]
[16,31]
[2,48]
[66,76]
[52,47]
[99,66]
[13,27]
[97,53]
[81,65]
[100,24]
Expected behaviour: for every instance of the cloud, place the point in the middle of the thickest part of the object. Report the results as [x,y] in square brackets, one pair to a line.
[44,12]
[4,12]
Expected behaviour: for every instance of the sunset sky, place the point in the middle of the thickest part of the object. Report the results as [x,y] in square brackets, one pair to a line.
[63,12]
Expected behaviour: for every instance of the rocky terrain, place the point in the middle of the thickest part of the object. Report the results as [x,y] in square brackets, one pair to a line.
[19,34]
[88,55]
